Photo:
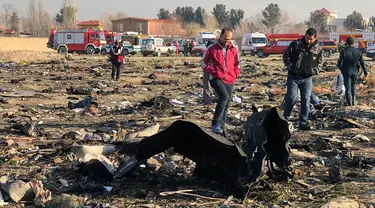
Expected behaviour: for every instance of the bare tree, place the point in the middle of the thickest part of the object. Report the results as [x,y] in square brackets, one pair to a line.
[39,21]
[33,18]
[67,17]
[107,17]
[192,29]
[246,26]
[2,21]
[299,28]
[9,10]
[211,23]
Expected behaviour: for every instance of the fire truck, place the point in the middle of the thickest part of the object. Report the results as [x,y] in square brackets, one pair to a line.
[80,41]
[362,39]
[112,36]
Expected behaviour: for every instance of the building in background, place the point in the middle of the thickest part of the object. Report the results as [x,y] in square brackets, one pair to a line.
[148,26]
[334,24]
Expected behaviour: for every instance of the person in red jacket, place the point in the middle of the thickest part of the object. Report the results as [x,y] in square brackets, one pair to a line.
[222,63]
[116,60]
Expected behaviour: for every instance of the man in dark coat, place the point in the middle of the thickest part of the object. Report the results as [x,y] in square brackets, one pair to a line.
[349,62]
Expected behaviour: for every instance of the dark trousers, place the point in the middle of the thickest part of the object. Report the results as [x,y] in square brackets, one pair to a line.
[224,93]
[305,87]
[116,68]
[350,90]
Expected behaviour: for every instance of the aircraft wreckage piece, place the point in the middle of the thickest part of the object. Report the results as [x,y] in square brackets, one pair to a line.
[218,158]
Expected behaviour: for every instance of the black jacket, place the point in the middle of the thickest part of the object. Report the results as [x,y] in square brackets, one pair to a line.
[350,60]
[303,61]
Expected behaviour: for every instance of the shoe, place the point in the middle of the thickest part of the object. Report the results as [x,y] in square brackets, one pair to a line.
[304,127]
[217,129]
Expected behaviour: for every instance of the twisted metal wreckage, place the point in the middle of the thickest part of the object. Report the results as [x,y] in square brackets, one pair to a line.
[218,158]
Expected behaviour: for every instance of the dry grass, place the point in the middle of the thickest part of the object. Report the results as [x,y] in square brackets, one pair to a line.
[370,80]
[327,75]
[19,49]
[321,90]
[11,44]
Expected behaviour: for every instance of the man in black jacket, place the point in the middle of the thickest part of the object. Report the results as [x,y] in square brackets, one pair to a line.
[349,62]
[303,59]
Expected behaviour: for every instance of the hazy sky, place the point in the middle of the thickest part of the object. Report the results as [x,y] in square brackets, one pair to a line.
[298,10]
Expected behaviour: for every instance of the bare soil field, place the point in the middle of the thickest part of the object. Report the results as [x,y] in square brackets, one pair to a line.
[38,130]
[28,49]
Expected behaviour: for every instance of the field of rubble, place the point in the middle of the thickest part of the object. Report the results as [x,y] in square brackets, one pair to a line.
[44,139]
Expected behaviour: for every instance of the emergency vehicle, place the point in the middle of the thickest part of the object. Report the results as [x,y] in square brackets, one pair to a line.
[251,41]
[111,37]
[277,44]
[203,37]
[199,50]
[135,39]
[362,39]
[69,41]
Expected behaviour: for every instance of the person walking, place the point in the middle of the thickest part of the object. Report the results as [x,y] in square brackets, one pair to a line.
[349,61]
[303,59]
[222,63]
[207,100]
[116,60]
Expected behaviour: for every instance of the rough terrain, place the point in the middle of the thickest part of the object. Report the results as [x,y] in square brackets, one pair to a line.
[335,159]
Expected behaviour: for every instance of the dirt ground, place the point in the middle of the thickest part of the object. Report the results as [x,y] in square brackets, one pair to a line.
[34,89]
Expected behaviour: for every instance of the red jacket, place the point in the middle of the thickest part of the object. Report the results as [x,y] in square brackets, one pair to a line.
[220,63]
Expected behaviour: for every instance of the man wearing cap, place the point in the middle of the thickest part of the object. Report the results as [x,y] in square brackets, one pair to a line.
[349,62]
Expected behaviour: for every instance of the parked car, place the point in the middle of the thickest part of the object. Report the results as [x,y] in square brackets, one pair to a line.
[329,47]
[127,49]
[273,47]
[199,50]
[156,47]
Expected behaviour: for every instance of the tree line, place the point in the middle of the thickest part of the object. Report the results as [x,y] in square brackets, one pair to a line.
[38,22]
[272,18]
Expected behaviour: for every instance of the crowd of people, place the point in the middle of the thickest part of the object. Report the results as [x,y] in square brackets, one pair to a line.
[303,60]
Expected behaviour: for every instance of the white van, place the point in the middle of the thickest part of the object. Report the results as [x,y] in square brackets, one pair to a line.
[203,37]
[251,41]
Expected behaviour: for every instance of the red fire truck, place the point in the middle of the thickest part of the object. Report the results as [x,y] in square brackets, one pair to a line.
[362,39]
[112,36]
[80,41]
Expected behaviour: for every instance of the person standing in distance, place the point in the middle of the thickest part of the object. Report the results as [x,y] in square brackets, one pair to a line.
[221,61]
[116,60]
[303,59]
[350,60]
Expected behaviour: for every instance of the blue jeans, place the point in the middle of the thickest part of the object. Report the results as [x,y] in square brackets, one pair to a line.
[350,80]
[305,87]
[224,93]
[314,100]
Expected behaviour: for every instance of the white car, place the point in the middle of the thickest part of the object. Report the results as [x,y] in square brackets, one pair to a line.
[156,47]
[199,50]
